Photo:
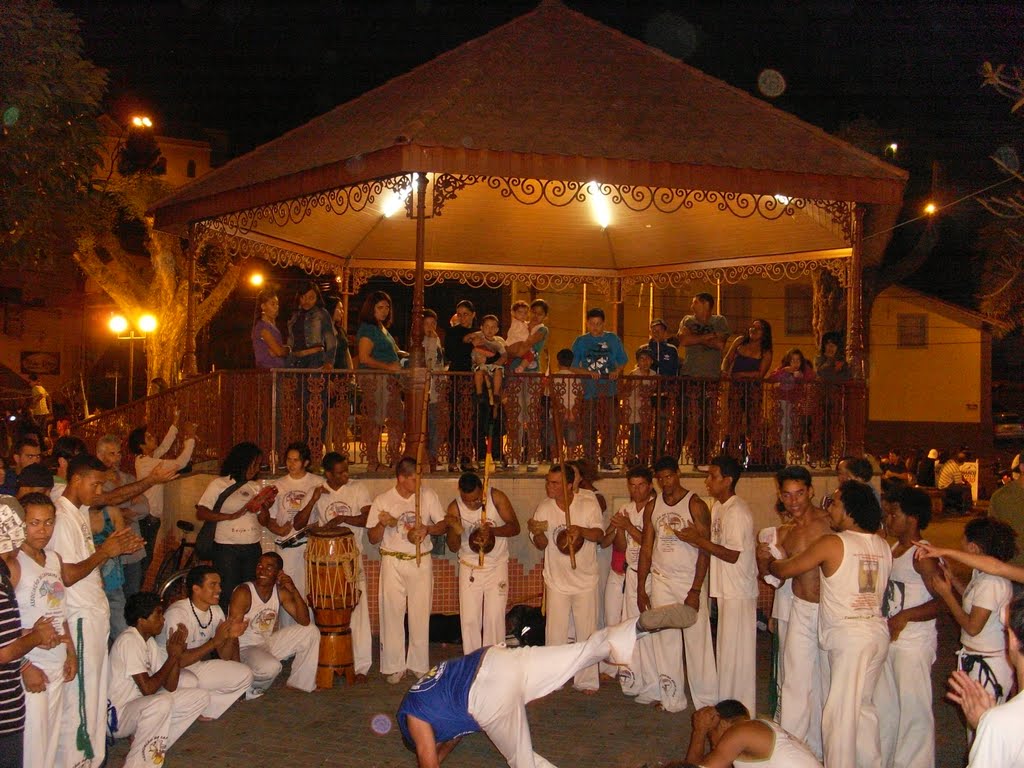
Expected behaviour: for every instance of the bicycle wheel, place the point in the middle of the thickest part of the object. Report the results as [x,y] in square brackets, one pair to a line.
[169,566]
[173,588]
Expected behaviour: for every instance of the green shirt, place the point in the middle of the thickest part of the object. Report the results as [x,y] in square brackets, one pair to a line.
[1007,504]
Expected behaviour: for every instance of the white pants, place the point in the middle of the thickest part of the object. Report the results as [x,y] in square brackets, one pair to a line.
[903,699]
[42,720]
[225,681]
[510,678]
[483,597]
[614,593]
[302,642]
[668,652]
[295,567]
[737,651]
[94,660]
[582,606]
[849,720]
[157,721]
[640,677]
[405,586]
[806,676]
[362,635]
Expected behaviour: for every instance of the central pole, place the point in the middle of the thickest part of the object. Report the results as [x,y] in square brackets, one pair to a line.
[414,424]
[131,366]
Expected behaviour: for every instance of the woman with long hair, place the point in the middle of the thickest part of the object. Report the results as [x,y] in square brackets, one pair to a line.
[377,351]
[792,377]
[747,363]
[336,309]
[312,341]
[268,345]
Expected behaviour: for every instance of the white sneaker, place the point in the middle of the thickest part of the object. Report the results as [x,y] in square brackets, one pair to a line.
[395,677]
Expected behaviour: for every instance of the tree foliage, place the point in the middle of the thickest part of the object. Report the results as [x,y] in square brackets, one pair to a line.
[49,103]
[1002,282]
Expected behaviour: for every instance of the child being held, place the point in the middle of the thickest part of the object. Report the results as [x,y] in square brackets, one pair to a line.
[642,391]
[488,354]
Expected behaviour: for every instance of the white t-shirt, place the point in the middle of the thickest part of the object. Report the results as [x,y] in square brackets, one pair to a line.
[470,522]
[72,540]
[404,510]
[262,617]
[732,526]
[558,572]
[994,593]
[907,590]
[183,612]
[672,558]
[146,464]
[347,501]
[243,530]
[41,592]
[851,598]
[131,655]
[292,496]
[999,741]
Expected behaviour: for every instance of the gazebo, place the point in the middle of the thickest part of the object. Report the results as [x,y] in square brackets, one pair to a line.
[551,152]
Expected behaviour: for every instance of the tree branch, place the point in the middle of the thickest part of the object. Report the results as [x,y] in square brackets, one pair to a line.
[216,298]
[116,277]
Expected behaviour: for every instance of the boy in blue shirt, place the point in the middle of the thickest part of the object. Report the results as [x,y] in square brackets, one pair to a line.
[599,354]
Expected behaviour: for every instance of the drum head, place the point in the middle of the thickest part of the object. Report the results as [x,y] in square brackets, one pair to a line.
[331,533]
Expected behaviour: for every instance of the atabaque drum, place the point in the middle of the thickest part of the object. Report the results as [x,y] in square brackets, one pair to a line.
[333,565]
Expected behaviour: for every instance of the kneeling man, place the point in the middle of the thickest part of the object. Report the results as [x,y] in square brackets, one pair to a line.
[258,603]
[738,741]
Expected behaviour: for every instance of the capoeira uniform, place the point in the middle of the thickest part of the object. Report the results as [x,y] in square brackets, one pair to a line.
[483,589]
[89,621]
[805,675]
[157,720]
[782,605]
[999,742]
[262,649]
[734,586]
[41,592]
[404,585]
[571,593]
[673,565]
[983,656]
[787,752]
[904,694]
[225,681]
[291,498]
[851,629]
[347,501]
[488,690]
[640,676]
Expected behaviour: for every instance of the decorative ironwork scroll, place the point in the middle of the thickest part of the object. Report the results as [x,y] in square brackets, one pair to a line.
[776,271]
[543,281]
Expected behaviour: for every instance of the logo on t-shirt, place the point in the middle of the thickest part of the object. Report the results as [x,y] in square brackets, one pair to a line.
[430,679]
[668,524]
[407,520]
[47,592]
[263,622]
[337,509]
[293,500]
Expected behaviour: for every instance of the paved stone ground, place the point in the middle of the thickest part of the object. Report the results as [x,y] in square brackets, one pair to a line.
[335,728]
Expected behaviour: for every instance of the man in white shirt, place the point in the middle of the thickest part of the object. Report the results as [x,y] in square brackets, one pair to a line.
[257,604]
[144,692]
[87,607]
[345,503]
[402,525]
[998,739]
[479,531]
[733,581]
[225,678]
[569,591]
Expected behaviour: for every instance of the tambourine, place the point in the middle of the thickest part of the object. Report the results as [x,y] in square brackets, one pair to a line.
[562,542]
[474,540]
[262,499]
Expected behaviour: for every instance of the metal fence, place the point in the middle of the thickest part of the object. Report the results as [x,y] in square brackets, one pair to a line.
[622,422]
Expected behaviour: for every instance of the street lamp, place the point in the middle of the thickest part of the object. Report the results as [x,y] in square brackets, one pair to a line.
[120,327]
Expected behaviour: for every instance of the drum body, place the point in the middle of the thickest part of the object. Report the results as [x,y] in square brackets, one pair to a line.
[333,565]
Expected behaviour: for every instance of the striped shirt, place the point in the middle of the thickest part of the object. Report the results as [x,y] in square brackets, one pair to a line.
[12,696]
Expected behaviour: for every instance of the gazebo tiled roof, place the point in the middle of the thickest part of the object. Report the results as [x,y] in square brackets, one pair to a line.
[549,95]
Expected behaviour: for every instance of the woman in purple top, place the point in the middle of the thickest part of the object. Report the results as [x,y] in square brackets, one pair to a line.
[747,363]
[267,343]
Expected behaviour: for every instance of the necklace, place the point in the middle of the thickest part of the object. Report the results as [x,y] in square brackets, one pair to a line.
[198,620]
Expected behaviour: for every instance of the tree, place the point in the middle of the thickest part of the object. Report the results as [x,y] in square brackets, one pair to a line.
[143,270]
[49,102]
[1002,281]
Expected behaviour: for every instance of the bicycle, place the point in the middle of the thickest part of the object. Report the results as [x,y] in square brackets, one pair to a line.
[170,577]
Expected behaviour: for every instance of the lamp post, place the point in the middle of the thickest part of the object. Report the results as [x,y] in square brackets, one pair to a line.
[119,325]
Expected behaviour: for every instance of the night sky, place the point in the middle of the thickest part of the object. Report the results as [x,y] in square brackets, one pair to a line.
[256,68]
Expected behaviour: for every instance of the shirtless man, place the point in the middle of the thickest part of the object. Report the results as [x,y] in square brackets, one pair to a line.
[803,691]
[679,571]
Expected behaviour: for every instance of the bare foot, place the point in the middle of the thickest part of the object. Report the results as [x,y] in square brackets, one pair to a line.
[588,691]
[205,719]
[360,679]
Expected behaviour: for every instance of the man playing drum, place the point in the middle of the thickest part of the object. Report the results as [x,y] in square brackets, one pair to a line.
[344,504]
[260,648]
[488,690]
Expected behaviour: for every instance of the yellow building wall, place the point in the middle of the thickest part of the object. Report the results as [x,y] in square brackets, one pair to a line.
[940,382]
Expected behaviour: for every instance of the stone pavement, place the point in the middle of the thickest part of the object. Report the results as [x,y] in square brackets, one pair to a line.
[336,727]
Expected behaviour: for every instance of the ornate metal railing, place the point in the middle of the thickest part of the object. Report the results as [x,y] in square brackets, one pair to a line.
[633,419]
